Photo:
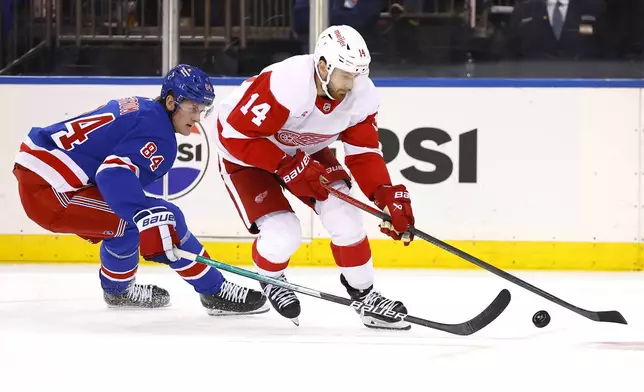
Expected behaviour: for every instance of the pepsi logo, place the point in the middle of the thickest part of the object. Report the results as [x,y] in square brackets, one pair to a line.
[189,168]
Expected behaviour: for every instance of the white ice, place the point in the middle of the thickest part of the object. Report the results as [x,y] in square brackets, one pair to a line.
[57,334]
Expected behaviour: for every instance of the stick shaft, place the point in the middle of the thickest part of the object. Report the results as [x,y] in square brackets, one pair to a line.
[608,316]
[469,327]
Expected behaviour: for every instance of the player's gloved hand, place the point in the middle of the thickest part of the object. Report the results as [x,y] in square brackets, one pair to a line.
[157,234]
[301,174]
[394,200]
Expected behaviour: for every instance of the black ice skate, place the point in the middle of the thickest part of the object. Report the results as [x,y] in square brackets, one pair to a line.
[139,296]
[234,299]
[373,298]
[283,300]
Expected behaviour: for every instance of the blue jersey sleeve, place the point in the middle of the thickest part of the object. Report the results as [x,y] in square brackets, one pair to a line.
[121,190]
[135,162]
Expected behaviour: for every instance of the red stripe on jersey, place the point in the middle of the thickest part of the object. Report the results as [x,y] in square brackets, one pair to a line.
[120,162]
[369,170]
[119,275]
[266,264]
[353,255]
[192,271]
[258,113]
[54,163]
[363,134]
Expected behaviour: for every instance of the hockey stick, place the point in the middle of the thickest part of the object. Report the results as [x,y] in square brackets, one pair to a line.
[479,322]
[611,316]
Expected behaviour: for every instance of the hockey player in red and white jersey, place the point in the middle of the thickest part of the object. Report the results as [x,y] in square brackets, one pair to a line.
[274,131]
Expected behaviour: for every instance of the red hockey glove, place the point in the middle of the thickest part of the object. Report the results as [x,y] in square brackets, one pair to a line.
[395,201]
[157,234]
[301,174]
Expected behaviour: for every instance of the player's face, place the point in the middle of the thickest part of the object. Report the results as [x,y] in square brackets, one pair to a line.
[341,83]
[188,113]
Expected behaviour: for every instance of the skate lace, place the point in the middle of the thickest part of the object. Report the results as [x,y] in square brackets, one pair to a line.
[233,292]
[283,297]
[374,298]
[137,292]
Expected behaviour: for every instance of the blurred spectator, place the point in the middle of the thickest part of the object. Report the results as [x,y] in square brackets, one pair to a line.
[2,34]
[557,29]
[6,25]
[7,16]
[406,6]
[627,30]
[362,15]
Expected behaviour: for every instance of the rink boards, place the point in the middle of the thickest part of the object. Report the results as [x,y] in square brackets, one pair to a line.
[524,174]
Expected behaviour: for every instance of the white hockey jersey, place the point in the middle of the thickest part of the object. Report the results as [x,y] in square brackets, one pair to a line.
[279,112]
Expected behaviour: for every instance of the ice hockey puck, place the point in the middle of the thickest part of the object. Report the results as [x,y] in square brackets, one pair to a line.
[541,319]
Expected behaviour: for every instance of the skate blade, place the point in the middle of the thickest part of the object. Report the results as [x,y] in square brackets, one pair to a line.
[374,323]
[126,307]
[218,312]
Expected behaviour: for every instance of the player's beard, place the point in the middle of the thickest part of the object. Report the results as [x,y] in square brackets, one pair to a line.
[336,94]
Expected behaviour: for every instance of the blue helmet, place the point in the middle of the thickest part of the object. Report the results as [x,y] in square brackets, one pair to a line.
[188,82]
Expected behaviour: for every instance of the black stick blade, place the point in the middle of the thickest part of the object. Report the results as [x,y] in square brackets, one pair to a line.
[474,325]
[490,313]
[610,316]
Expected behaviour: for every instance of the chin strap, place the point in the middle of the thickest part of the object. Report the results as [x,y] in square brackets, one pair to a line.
[325,82]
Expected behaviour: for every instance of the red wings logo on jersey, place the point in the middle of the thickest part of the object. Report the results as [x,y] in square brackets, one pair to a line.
[291,138]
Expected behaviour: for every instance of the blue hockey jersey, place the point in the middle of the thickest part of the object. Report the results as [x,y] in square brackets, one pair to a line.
[121,147]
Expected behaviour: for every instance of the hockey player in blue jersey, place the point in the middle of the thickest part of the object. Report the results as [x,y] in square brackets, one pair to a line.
[86,175]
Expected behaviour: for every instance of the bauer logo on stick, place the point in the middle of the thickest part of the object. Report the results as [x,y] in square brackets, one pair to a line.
[360,306]
[189,168]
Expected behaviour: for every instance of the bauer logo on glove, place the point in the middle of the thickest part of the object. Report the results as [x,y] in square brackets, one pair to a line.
[166,218]
[395,201]
[401,195]
[299,169]
[301,175]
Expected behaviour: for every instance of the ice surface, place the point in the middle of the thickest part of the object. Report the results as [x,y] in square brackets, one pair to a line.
[57,334]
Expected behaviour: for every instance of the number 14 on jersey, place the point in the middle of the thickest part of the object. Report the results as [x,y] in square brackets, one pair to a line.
[258,110]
